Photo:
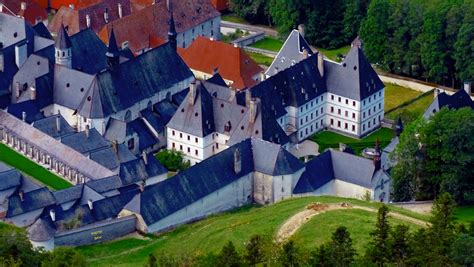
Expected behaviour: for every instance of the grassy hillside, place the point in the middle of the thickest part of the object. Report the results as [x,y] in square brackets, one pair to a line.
[211,234]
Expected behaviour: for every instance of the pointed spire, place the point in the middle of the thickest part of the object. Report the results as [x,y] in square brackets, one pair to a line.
[62,41]
[113,52]
[399,127]
[172,34]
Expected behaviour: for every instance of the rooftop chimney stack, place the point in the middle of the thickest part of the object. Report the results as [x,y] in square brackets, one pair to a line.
[88,21]
[305,53]
[23,6]
[21,195]
[237,161]
[52,214]
[90,204]
[468,87]
[87,131]
[106,15]
[115,146]
[71,6]
[17,90]
[120,11]
[192,92]
[32,93]
[142,186]
[248,97]
[253,109]
[23,116]
[58,122]
[145,157]
[321,64]
[301,29]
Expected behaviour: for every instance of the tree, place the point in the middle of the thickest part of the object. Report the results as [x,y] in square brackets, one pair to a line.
[254,250]
[378,251]
[152,262]
[289,256]
[463,48]
[462,250]
[375,31]
[321,257]
[354,13]
[64,257]
[173,160]
[255,11]
[16,248]
[399,244]
[229,257]
[341,247]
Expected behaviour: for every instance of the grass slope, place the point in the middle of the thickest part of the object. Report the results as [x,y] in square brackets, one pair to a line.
[32,169]
[329,139]
[332,53]
[464,214]
[396,95]
[269,43]
[211,234]
[412,111]
[261,59]
[358,222]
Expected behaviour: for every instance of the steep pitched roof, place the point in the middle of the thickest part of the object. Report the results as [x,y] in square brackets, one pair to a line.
[233,63]
[458,100]
[272,159]
[9,178]
[49,126]
[291,53]
[353,78]
[62,40]
[32,12]
[32,200]
[179,191]
[119,88]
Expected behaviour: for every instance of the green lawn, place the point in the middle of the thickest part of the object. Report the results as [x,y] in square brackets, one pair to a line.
[465,214]
[261,59]
[332,53]
[358,222]
[269,43]
[412,111]
[328,139]
[211,234]
[233,18]
[396,95]
[32,169]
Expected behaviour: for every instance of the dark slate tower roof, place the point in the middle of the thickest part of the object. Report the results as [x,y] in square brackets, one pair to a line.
[354,78]
[112,50]
[172,34]
[63,41]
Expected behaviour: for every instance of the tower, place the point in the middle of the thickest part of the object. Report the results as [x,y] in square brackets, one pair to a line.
[172,34]
[113,53]
[63,48]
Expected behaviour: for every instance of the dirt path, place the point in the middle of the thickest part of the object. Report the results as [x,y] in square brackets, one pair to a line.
[290,226]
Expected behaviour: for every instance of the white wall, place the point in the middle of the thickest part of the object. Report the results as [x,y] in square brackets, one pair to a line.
[340,188]
[229,197]
[210,28]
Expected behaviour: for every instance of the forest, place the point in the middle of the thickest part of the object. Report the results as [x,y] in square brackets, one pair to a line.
[431,40]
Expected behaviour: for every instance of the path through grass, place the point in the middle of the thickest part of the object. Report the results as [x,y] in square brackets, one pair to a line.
[328,139]
[32,169]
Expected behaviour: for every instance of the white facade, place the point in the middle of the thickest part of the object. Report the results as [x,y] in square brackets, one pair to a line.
[341,188]
[210,28]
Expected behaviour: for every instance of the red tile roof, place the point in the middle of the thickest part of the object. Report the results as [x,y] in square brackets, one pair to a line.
[232,62]
[152,21]
[32,13]
[75,19]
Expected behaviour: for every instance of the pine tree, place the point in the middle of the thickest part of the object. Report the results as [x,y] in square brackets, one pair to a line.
[400,238]
[342,252]
[463,48]
[442,231]
[289,255]
[321,257]
[378,251]
[152,262]
[254,250]
[229,257]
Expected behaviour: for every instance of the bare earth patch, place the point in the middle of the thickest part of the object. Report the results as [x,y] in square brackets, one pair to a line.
[290,226]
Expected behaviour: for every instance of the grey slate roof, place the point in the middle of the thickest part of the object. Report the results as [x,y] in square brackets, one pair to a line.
[290,53]
[119,88]
[83,143]
[458,100]
[105,184]
[68,194]
[31,108]
[196,119]
[338,165]
[188,186]
[48,126]
[62,40]
[33,200]
[42,230]
[9,179]
[353,78]
[272,159]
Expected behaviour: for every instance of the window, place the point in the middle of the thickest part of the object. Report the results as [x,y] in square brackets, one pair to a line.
[173,145]
[363,115]
[332,122]
[180,135]
[339,111]
[346,113]
[353,115]
[131,143]
[369,123]
[189,150]
[301,122]
[189,137]
[346,125]
[306,119]
[196,152]
[217,145]
[339,124]
[332,97]
[181,147]
[347,101]
[196,139]
[363,127]
[322,110]
[354,103]
[332,109]
[282,189]
[380,105]
[369,112]
[374,121]
[306,131]
[380,93]
[339,99]
[374,109]
[353,128]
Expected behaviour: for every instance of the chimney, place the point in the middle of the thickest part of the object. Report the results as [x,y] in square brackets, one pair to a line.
[87,131]
[17,89]
[115,146]
[301,29]
[106,15]
[23,116]
[254,103]
[2,63]
[145,157]
[192,92]
[342,147]
[32,93]
[142,186]
[468,87]
[21,54]
[237,161]
[262,76]
[236,45]
[23,6]
[120,11]
[248,97]
[377,155]
[90,204]
[305,53]
[21,195]
[1,8]
[52,214]
[71,6]
[88,21]
[168,5]
[321,64]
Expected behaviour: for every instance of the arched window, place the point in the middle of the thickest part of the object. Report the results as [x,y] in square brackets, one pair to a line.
[128,116]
